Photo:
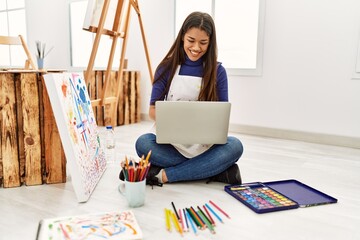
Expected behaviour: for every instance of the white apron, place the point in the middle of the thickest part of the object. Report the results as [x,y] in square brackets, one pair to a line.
[186,88]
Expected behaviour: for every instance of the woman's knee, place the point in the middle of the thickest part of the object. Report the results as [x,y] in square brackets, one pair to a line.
[144,142]
[236,146]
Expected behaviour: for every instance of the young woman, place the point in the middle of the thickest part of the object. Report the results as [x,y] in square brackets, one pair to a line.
[190,72]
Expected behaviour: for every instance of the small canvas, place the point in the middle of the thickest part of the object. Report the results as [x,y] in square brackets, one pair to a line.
[110,225]
[78,131]
[93,14]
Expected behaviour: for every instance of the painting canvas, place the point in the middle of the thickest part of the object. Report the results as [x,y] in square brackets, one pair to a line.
[93,15]
[111,225]
[78,131]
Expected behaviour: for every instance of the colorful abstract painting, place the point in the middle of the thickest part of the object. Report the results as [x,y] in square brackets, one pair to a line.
[78,131]
[112,225]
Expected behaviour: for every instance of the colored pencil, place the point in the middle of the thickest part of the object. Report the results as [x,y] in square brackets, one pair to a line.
[177,215]
[176,223]
[196,221]
[146,171]
[126,169]
[202,224]
[186,220]
[204,215]
[213,212]
[167,220]
[132,170]
[218,208]
[206,221]
[208,214]
[182,218]
[135,171]
[148,156]
[191,222]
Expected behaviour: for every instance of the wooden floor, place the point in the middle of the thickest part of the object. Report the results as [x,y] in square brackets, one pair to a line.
[333,170]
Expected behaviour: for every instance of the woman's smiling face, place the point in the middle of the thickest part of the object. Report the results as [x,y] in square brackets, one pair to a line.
[196,43]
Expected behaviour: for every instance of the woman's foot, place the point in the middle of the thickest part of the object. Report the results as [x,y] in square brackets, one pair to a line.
[152,178]
[230,175]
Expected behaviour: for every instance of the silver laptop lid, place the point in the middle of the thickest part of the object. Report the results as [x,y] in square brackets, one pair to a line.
[192,122]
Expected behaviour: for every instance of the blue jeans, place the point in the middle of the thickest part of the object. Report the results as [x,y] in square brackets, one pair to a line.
[179,168]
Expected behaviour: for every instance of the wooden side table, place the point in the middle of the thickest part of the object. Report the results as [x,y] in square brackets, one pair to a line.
[31,150]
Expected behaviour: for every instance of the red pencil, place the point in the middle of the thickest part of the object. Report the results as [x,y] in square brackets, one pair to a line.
[211,219]
[218,208]
[145,172]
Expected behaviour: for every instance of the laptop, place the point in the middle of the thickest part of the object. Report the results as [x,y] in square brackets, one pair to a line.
[192,122]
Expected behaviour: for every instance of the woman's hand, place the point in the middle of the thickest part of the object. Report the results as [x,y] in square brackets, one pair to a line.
[152,113]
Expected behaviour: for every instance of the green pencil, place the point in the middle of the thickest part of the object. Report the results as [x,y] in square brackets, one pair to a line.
[208,224]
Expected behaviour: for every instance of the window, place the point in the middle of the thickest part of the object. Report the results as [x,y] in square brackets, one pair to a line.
[239,26]
[12,23]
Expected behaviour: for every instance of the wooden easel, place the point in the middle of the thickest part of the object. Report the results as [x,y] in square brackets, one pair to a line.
[120,29]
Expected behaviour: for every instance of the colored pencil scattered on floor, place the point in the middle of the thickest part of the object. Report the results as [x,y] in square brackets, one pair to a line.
[167,217]
[192,224]
[176,223]
[218,208]
[207,223]
[210,218]
[177,215]
[213,212]
[185,218]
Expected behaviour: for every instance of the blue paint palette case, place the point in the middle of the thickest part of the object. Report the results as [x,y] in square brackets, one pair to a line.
[278,195]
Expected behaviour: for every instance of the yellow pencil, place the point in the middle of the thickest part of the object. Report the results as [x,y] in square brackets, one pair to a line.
[167,219]
[147,157]
[176,223]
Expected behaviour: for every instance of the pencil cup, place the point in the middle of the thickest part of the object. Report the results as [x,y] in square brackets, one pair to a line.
[134,192]
[40,62]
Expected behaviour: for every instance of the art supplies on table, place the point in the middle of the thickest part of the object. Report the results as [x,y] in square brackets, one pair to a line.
[111,225]
[264,197]
[196,219]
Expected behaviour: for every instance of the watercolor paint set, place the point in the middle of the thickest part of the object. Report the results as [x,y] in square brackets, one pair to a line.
[264,197]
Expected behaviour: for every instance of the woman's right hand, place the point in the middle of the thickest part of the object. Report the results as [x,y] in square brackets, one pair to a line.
[152,113]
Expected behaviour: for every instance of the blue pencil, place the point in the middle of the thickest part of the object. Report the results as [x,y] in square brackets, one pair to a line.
[213,212]
[191,222]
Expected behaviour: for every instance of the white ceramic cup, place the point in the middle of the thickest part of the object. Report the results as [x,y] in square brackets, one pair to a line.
[134,192]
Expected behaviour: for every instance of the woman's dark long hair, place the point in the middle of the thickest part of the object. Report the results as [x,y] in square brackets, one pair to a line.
[176,56]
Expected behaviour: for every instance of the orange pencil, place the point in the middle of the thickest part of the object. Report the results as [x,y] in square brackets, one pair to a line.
[195,215]
[140,170]
[136,173]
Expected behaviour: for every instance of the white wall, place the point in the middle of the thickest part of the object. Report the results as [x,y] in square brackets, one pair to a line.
[309,56]
[48,21]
